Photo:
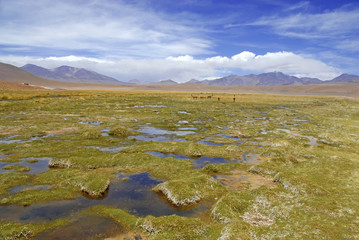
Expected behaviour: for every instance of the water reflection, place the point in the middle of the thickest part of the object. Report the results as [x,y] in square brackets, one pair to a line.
[133,195]
[197,162]
[39,166]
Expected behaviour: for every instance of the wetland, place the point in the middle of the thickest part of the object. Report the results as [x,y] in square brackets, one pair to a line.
[162,165]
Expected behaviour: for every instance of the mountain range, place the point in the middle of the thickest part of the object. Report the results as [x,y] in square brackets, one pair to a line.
[72,74]
[267,79]
[81,75]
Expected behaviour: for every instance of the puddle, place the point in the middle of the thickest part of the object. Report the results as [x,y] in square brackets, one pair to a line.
[160,135]
[241,179]
[89,123]
[250,158]
[312,140]
[158,131]
[133,195]
[183,112]
[113,149]
[197,162]
[152,106]
[300,120]
[42,165]
[188,129]
[207,139]
[183,122]
[9,140]
[286,108]
[228,136]
[284,130]
[104,132]
[168,138]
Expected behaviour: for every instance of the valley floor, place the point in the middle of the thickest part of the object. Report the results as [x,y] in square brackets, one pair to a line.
[177,165]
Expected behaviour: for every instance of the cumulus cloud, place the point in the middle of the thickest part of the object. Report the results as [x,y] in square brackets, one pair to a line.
[184,68]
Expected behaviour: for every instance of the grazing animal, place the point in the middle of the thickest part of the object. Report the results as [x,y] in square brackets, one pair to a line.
[194,96]
[234,98]
[210,96]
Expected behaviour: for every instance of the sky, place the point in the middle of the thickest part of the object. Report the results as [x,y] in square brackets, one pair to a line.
[153,40]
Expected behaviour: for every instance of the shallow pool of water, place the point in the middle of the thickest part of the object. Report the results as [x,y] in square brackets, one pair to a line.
[133,195]
[158,131]
[89,123]
[183,112]
[9,140]
[155,134]
[312,140]
[112,149]
[151,106]
[207,140]
[42,165]
[148,138]
[199,162]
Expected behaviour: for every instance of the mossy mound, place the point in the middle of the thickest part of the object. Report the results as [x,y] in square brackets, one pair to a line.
[120,131]
[186,191]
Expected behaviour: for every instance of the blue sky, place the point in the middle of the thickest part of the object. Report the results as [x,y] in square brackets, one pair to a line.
[153,40]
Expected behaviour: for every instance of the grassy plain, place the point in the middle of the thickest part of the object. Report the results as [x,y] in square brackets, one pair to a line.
[307,145]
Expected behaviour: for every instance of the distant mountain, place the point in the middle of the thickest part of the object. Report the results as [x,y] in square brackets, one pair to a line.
[193,81]
[166,82]
[72,74]
[10,73]
[264,79]
[346,78]
[135,81]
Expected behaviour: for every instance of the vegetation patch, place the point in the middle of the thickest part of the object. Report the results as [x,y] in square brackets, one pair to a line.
[92,183]
[176,227]
[17,168]
[120,131]
[8,180]
[11,230]
[189,190]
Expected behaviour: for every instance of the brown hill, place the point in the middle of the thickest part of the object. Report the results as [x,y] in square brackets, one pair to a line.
[17,86]
[10,73]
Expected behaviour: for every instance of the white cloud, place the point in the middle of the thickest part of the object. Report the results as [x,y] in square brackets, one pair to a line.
[109,28]
[329,24]
[244,56]
[349,45]
[184,68]
[300,5]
